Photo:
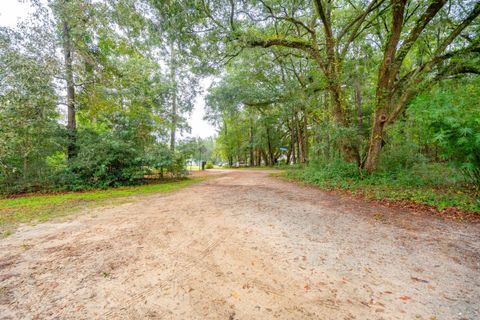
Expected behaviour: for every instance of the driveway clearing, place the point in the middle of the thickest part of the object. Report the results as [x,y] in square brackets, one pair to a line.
[242,245]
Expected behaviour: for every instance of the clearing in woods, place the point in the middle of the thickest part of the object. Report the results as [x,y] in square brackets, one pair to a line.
[242,245]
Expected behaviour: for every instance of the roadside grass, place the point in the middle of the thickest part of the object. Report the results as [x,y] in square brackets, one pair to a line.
[434,186]
[252,168]
[40,208]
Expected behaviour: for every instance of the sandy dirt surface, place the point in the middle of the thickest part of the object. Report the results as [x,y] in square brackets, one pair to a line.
[242,245]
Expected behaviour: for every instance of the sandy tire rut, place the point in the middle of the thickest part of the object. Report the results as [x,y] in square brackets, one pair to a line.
[242,245]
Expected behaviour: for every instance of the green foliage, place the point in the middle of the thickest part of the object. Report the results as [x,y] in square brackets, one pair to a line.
[450,115]
[430,156]
[434,184]
[401,155]
[122,99]
[106,159]
[199,149]
[209,165]
[29,129]
[330,174]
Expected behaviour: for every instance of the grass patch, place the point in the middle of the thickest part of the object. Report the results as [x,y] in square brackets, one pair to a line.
[251,168]
[39,208]
[428,184]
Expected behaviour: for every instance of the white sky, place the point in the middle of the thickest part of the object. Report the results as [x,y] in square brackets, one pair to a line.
[200,127]
[11,11]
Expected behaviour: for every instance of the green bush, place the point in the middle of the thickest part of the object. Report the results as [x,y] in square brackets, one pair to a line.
[435,184]
[104,159]
[165,162]
[329,174]
[400,156]
[209,165]
[449,116]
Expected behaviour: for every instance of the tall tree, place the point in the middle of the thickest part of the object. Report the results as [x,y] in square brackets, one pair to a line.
[398,82]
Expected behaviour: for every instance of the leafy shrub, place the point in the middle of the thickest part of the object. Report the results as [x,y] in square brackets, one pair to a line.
[400,156]
[450,116]
[209,165]
[104,159]
[435,184]
[330,174]
[164,161]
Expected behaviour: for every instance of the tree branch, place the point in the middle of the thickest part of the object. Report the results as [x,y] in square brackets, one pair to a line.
[325,21]
[282,42]
[385,77]
[263,103]
[359,18]
[475,12]
[427,66]
[420,25]
[359,21]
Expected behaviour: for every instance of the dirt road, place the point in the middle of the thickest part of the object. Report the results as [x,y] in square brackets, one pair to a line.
[242,245]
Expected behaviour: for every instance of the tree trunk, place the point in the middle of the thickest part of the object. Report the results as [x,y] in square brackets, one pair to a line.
[270,151]
[289,154]
[358,104]
[337,102]
[376,140]
[71,117]
[252,156]
[305,136]
[386,75]
[173,128]
[292,141]
[265,158]
[300,141]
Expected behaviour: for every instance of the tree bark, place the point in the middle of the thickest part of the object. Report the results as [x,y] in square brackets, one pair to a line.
[173,128]
[358,104]
[301,143]
[305,136]
[292,141]
[71,116]
[389,102]
[386,76]
[252,156]
[271,156]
